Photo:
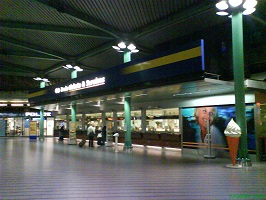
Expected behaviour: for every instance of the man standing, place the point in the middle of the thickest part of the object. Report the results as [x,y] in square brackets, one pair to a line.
[91,131]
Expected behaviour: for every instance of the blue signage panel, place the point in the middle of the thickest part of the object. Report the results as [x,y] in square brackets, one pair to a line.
[185,63]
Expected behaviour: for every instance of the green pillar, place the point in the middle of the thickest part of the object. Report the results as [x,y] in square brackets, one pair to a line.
[74,74]
[42,123]
[239,78]
[127,108]
[73,111]
[41,137]
[127,111]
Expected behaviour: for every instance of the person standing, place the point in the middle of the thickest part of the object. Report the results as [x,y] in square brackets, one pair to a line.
[90,132]
[61,133]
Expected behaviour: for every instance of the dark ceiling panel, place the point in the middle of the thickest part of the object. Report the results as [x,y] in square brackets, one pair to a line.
[47,34]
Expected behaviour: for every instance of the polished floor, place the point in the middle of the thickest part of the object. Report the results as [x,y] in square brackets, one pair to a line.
[51,169]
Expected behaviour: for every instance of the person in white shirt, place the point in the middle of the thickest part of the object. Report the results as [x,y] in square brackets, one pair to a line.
[90,133]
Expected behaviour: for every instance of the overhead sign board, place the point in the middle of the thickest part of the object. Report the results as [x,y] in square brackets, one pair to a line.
[182,64]
[36,114]
[81,85]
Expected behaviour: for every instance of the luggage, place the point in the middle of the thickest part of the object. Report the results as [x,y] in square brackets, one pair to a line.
[61,138]
[81,144]
[100,141]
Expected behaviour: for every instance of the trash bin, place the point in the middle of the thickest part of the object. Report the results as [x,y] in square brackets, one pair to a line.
[109,142]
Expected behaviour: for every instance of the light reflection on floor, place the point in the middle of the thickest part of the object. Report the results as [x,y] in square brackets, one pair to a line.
[53,169]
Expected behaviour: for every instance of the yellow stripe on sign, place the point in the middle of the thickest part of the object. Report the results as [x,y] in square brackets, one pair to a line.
[40,93]
[176,57]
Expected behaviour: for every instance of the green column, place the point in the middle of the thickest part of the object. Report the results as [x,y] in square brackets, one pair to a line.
[41,137]
[74,74]
[41,123]
[143,120]
[127,111]
[73,135]
[73,111]
[127,108]
[238,64]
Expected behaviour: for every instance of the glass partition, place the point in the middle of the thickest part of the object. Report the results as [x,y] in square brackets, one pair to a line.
[163,120]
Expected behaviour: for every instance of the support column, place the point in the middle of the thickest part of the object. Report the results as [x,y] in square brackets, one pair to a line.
[127,111]
[41,128]
[72,128]
[41,137]
[72,125]
[73,111]
[115,120]
[67,121]
[83,122]
[239,77]
[143,120]
[103,119]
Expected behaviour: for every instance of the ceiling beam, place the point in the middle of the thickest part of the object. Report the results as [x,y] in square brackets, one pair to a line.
[31,47]
[85,19]
[30,55]
[56,29]
[94,51]
[174,19]
[7,66]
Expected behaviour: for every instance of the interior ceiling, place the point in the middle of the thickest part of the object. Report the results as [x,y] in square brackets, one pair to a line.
[38,37]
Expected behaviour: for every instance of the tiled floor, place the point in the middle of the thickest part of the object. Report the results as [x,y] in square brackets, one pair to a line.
[55,170]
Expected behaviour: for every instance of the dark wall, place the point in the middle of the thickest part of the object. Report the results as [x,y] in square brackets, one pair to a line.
[218,47]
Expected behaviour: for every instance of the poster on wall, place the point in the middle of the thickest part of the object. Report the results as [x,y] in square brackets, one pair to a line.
[72,133]
[195,125]
[33,130]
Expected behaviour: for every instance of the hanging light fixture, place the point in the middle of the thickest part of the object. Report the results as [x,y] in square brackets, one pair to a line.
[122,47]
[41,79]
[69,67]
[226,7]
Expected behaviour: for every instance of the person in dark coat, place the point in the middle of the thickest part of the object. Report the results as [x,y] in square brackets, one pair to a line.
[61,133]
[104,133]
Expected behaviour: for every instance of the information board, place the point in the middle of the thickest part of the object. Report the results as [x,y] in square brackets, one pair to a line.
[72,133]
[33,130]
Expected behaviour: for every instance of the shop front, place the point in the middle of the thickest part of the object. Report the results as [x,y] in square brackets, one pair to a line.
[18,123]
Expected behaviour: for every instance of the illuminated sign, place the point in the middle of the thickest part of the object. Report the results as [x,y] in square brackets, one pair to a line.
[81,85]
[35,114]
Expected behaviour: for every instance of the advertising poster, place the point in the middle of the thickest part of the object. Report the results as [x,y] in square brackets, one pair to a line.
[33,130]
[195,129]
[72,133]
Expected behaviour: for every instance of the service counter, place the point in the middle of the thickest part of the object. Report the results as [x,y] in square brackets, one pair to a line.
[163,139]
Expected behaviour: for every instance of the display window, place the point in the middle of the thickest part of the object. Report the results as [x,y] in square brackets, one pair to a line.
[157,120]
[96,119]
[163,120]
[14,126]
[61,120]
